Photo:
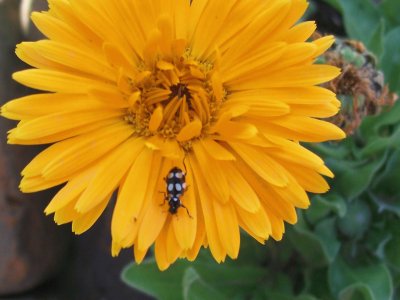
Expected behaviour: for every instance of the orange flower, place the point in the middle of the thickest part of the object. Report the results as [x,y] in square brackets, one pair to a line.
[225,90]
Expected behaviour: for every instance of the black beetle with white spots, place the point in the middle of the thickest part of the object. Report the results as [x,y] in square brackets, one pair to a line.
[176,187]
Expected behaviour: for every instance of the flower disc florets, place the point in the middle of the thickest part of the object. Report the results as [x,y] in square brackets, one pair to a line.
[174,95]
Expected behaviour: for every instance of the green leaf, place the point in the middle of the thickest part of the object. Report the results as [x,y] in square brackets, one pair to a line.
[280,284]
[360,18]
[387,181]
[317,248]
[375,278]
[376,42]
[386,186]
[380,144]
[147,278]
[352,179]
[391,251]
[251,251]
[390,62]
[278,296]
[305,297]
[278,287]
[272,295]
[357,219]
[316,283]
[326,232]
[386,202]
[194,288]
[321,206]
[333,150]
[228,279]
[379,125]
[390,9]
[357,291]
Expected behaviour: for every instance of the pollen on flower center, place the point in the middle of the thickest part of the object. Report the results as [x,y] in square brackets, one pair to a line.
[176,96]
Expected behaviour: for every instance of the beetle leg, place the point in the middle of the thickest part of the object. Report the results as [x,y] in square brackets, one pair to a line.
[187,211]
[165,197]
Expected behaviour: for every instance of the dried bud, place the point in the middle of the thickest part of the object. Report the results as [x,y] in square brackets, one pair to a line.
[360,87]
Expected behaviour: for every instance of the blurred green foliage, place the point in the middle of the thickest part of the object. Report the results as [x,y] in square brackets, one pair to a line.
[347,245]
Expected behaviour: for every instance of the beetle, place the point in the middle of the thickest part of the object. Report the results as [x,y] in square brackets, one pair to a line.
[176,187]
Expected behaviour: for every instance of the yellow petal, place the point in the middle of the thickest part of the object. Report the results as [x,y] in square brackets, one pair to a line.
[37,105]
[266,55]
[192,253]
[257,31]
[214,175]
[72,190]
[66,214]
[323,44]
[108,97]
[320,111]
[294,193]
[310,180]
[217,150]
[258,105]
[38,183]
[206,199]
[66,57]
[271,201]
[241,192]
[228,228]
[185,226]
[62,10]
[277,227]
[172,246]
[160,250]
[304,129]
[210,22]
[261,163]
[297,76]
[112,169]
[217,86]
[295,55]
[156,119]
[190,131]
[236,130]
[57,81]
[168,147]
[310,95]
[78,152]
[301,32]
[117,60]
[60,122]
[131,195]
[294,153]
[139,254]
[257,223]
[59,136]
[86,220]
[154,213]
[56,29]
[115,249]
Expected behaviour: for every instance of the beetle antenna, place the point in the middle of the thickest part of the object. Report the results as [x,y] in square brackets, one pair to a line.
[184,165]
[187,211]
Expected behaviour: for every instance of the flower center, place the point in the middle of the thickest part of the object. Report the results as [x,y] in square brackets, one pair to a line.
[174,95]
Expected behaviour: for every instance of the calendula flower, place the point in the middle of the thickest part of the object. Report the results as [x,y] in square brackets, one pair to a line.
[223,91]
